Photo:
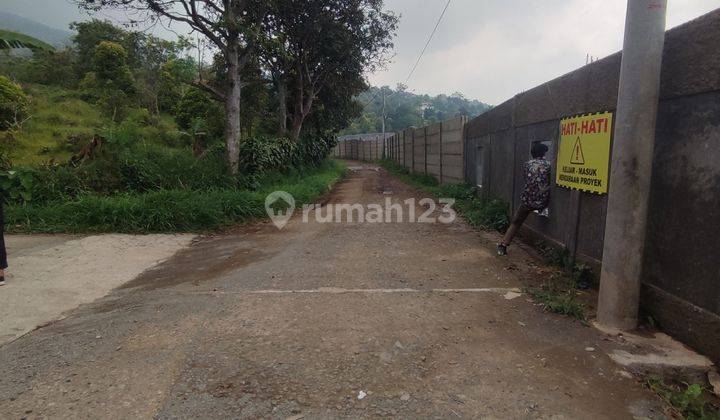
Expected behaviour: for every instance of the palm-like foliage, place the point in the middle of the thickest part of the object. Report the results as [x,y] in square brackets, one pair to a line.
[10,40]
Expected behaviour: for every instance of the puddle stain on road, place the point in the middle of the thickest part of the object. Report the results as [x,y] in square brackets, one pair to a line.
[203,261]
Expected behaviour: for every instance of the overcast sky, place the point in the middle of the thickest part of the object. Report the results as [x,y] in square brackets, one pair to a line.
[486,49]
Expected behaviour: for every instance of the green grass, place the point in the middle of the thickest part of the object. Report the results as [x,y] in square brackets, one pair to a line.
[561,302]
[479,212]
[688,400]
[59,115]
[170,210]
[55,116]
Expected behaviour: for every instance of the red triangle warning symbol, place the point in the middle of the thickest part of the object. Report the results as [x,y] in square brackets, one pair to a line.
[577,157]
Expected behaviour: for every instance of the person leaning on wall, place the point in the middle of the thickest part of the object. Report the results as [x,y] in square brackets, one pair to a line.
[535,194]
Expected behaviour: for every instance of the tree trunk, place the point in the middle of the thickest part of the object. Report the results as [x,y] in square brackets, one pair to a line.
[303,109]
[232,108]
[282,106]
[296,126]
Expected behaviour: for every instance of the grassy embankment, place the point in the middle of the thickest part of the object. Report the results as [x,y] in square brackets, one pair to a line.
[59,119]
[171,210]
[145,178]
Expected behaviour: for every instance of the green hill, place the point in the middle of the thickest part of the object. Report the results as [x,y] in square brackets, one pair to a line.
[50,35]
[404,109]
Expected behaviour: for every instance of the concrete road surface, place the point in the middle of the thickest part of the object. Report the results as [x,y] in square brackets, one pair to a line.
[52,274]
[322,320]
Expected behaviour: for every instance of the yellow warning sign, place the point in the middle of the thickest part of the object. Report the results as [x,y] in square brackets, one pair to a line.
[584,152]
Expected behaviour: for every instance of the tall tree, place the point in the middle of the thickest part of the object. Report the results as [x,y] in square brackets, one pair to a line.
[318,44]
[231,26]
[90,34]
[111,78]
[153,54]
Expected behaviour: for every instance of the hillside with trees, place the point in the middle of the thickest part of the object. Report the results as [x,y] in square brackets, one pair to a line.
[124,131]
[404,109]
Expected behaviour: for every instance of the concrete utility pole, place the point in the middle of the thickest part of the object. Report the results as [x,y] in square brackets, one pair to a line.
[632,160]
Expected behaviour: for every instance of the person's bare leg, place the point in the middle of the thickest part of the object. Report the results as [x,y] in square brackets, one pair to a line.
[510,234]
[2,276]
[520,215]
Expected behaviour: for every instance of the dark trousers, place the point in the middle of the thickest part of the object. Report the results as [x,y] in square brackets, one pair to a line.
[520,215]
[3,253]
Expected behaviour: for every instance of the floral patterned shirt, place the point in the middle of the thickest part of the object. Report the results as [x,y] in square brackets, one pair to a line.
[536,193]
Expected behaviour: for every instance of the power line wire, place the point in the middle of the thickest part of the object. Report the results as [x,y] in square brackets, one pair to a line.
[428,41]
[417,62]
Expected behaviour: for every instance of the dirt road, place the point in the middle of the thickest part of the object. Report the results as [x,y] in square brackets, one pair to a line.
[302,322]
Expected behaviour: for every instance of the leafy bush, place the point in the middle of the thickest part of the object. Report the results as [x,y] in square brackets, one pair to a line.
[47,183]
[111,84]
[313,150]
[111,69]
[174,73]
[261,154]
[13,103]
[687,399]
[152,167]
[196,111]
[125,163]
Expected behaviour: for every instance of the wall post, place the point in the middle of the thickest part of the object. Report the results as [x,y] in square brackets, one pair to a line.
[441,153]
[412,151]
[425,143]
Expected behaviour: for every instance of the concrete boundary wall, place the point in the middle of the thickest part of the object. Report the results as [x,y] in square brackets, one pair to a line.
[436,149]
[363,147]
[408,144]
[419,150]
[680,289]
[433,136]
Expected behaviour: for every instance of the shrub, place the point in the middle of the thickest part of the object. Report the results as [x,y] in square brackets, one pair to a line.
[110,84]
[313,150]
[196,111]
[261,154]
[111,69]
[133,157]
[13,103]
[151,167]
[170,210]
[690,401]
